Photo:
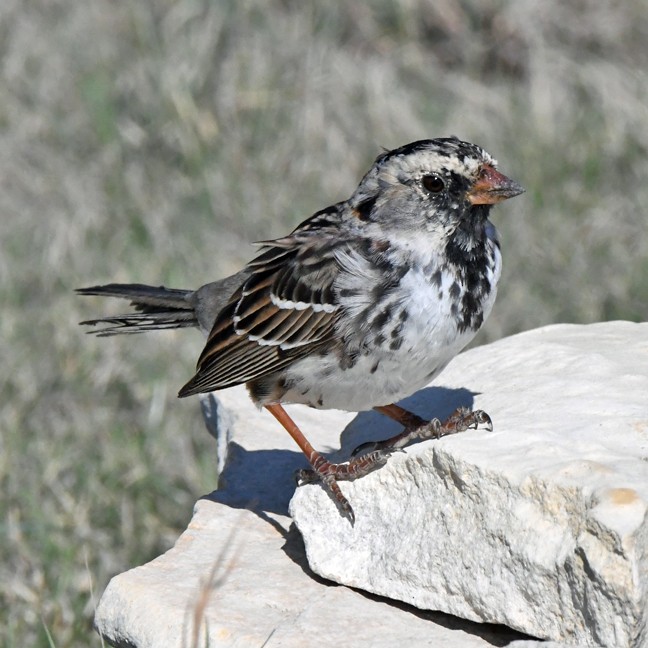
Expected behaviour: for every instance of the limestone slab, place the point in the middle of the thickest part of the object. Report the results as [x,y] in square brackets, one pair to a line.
[238,575]
[540,524]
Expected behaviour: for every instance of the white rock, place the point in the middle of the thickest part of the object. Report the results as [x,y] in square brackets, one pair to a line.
[540,524]
[238,575]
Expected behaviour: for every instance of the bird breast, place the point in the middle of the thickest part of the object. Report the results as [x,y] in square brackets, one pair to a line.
[397,334]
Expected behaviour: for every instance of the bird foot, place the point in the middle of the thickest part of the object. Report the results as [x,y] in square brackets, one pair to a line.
[328,474]
[460,420]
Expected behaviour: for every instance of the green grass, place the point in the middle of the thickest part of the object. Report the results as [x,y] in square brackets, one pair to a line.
[153,141]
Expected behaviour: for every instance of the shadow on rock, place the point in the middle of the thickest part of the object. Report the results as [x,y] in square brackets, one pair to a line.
[263,481]
[428,403]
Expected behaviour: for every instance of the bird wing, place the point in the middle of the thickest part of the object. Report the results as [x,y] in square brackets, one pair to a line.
[282,312]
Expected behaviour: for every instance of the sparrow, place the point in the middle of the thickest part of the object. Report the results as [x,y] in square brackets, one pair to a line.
[360,306]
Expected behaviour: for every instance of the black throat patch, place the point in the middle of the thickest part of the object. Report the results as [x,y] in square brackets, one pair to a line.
[471,258]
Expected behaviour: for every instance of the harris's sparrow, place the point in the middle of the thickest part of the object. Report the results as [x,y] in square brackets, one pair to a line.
[358,307]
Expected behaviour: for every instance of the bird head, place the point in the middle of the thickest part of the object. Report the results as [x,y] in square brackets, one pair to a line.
[436,186]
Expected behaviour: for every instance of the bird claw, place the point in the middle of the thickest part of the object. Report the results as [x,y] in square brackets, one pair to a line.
[306,476]
[375,446]
[328,474]
[463,419]
[368,446]
[460,420]
[485,420]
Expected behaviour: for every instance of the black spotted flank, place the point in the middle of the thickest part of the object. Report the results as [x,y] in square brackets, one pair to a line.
[397,331]
[381,319]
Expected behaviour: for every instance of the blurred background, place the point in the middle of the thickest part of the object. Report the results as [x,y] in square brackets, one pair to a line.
[152,141]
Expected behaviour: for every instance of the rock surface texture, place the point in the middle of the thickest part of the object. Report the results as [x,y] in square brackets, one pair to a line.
[538,525]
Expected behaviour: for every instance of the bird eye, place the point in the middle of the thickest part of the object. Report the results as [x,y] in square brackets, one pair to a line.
[433,183]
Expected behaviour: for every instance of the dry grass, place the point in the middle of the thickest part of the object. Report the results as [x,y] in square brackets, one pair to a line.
[151,141]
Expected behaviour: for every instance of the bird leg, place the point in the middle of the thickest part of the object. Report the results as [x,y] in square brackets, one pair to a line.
[417,429]
[323,470]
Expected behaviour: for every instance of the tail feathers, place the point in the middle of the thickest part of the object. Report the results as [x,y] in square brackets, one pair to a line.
[142,295]
[157,308]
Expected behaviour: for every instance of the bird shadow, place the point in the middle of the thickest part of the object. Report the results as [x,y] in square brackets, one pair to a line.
[263,481]
[428,403]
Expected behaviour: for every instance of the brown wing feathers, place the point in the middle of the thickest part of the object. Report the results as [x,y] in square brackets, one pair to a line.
[280,313]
